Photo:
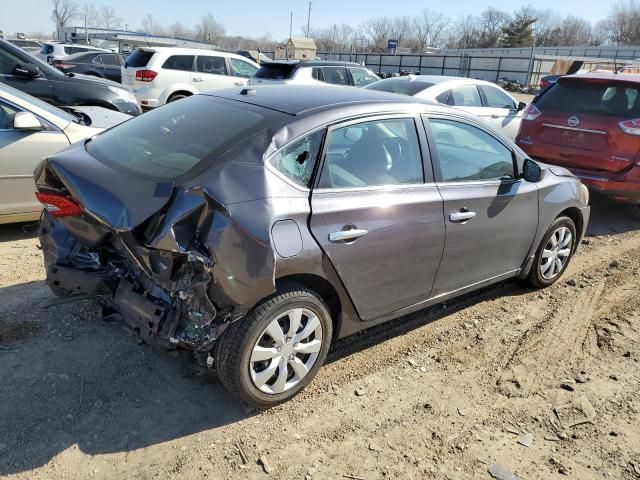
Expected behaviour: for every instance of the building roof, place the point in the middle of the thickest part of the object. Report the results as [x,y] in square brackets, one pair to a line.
[305,43]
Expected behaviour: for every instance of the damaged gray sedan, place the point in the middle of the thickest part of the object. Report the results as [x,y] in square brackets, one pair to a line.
[254,227]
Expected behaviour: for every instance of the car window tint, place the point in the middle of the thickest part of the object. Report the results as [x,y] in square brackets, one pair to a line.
[240,68]
[97,60]
[496,98]
[212,64]
[335,75]
[465,96]
[402,86]
[110,60]
[379,152]
[467,153]
[8,62]
[179,62]
[7,113]
[316,73]
[443,97]
[362,77]
[46,49]
[296,160]
[170,141]
[583,97]
[139,58]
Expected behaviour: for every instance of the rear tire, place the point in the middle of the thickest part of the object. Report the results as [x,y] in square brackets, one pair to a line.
[177,96]
[269,356]
[554,253]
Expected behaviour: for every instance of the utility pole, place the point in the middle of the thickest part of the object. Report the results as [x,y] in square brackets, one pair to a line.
[86,32]
[532,56]
[291,25]
[309,20]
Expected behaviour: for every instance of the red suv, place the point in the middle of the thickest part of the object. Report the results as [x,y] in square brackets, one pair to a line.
[589,123]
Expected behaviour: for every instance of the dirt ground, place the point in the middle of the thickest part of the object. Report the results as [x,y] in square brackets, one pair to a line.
[544,384]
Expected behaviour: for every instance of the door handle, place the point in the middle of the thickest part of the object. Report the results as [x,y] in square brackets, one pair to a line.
[495,116]
[239,83]
[462,216]
[198,79]
[346,235]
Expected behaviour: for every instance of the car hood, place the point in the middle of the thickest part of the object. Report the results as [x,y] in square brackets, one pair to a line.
[96,80]
[556,170]
[103,118]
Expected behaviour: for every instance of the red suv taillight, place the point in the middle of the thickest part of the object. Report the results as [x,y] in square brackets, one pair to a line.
[59,205]
[631,127]
[531,112]
[146,75]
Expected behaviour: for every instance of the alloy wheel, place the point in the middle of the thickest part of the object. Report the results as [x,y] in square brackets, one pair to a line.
[286,350]
[556,253]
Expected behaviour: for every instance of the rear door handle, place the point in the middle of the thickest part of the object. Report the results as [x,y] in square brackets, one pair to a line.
[198,79]
[459,217]
[346,235]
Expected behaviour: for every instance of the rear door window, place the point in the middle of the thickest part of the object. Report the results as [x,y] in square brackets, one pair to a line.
[497,99]
[179,62]
[8,62]
[211,64]
[296,160]
[335,75]
[112,60]
[465,96]
[139,58]
[619,100]
[46,49]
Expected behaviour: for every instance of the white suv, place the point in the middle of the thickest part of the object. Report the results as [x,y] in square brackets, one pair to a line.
[164,74]
[51,51]
[314,72]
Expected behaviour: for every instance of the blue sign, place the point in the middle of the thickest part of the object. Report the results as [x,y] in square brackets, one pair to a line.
[392,44]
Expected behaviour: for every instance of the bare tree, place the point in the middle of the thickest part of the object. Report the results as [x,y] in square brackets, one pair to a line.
[623,23]
[149,25]
[492,23]
[179,30]
[63,12]
[90,14]
[208,30]
[428,29]
[377,32]
[400,29]
[466,33]
[109,18]
[574,31]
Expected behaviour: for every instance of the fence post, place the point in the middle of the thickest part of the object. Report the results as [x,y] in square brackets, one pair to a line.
[498,71]
[444,61]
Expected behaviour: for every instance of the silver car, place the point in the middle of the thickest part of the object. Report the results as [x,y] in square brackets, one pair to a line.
[31,130]
[477,97]
[254,227]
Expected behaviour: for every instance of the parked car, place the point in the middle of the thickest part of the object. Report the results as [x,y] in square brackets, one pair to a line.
[51,51]
[97,64]
[313,72]
[31,130]
[590,123]
[163,74]
[29,74]
[483,99]
[31,46]
[259,225]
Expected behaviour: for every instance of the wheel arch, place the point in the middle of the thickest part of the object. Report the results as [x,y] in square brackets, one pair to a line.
[179,92]
[576,216]
[323,288]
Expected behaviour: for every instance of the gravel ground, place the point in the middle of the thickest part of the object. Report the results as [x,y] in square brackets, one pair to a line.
[543,384]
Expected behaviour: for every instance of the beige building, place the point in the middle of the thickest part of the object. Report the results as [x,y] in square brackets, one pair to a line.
[296,48]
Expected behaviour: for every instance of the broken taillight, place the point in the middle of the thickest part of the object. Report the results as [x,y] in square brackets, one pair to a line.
[146,75]
[59,205]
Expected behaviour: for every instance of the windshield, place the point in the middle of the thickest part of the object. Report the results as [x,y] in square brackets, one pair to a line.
[36,102]
[276,71]
[403,86]
[576,96]
[168,142]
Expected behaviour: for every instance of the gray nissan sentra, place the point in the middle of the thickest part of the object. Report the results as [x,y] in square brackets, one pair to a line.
[256,226]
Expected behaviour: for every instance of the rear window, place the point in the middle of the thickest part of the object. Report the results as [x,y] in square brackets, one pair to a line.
[46,49]
[600,98]
[139,58]
[400,85]
[168,142]
[275,71]
[179,62]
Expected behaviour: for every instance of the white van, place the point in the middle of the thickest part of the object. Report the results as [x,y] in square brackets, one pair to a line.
[160,75]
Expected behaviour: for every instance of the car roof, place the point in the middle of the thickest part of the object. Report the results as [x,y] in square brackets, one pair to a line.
[316,63]
[298,99]
[438,79]
[622,77]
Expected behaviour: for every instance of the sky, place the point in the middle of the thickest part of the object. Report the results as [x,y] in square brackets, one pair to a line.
[254,18]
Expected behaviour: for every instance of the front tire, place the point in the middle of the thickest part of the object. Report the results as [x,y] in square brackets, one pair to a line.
[554,253]
[176,97]
[270,355]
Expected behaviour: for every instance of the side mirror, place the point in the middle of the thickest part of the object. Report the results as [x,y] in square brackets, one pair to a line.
[26,121]
[27,71]
[521,106]
[531,171]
